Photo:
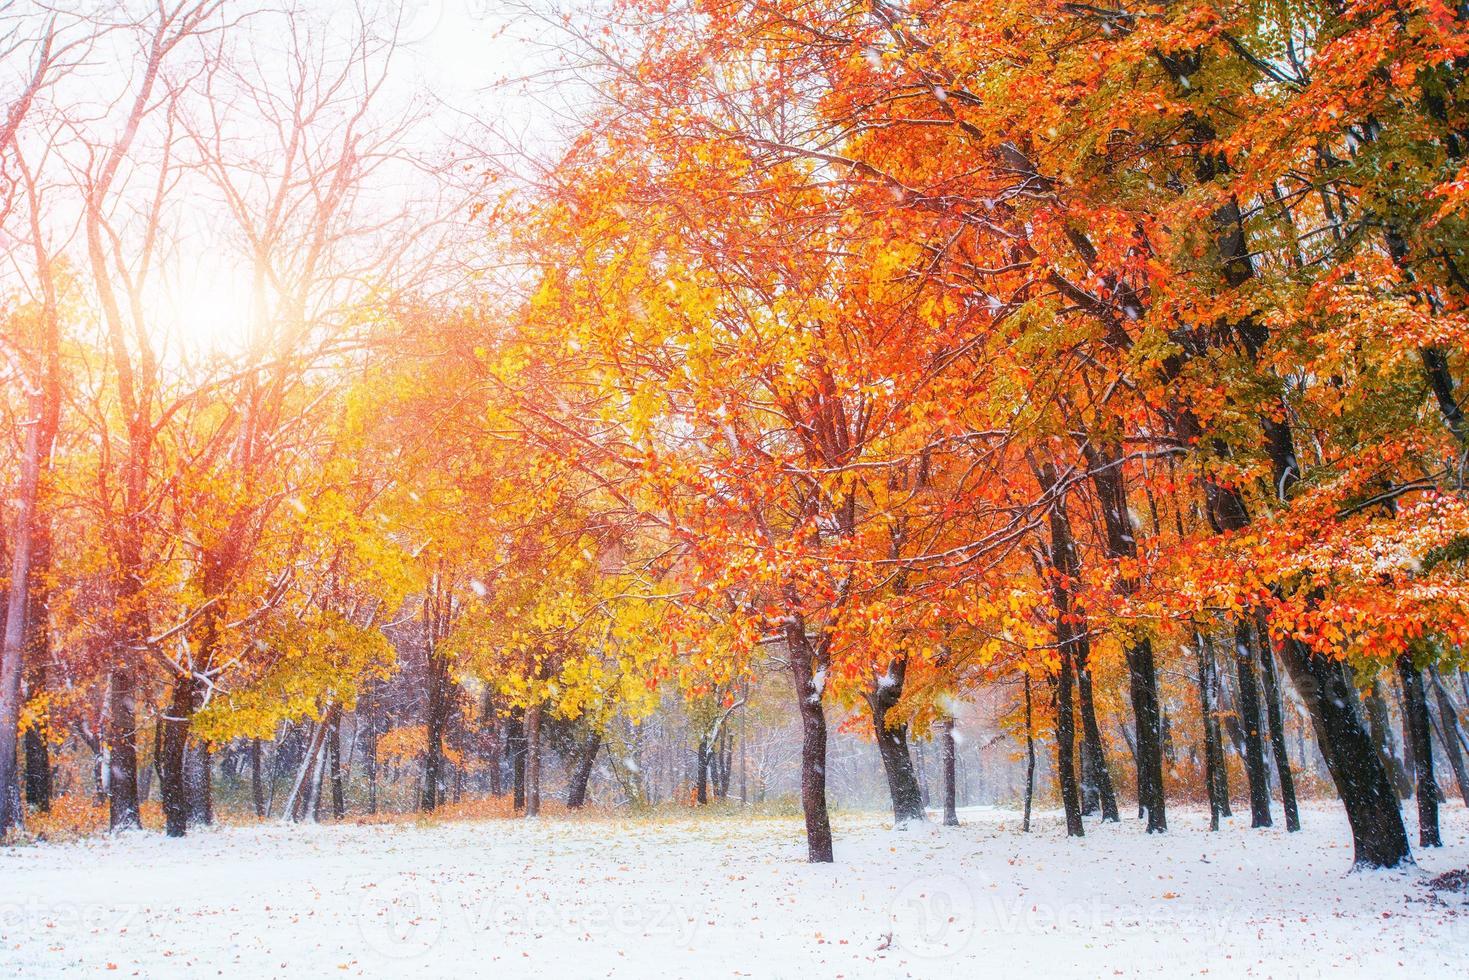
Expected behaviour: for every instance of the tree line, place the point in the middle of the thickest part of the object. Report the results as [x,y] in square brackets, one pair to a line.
[1103,358]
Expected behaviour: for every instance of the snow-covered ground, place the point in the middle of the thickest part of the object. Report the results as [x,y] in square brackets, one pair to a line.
[720,897]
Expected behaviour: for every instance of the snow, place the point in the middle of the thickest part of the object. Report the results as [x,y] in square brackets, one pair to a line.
[818,685]
[724,897]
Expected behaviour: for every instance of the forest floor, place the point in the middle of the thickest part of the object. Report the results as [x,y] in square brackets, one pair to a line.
[718,896]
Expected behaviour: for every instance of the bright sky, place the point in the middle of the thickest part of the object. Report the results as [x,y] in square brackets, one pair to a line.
[456,63]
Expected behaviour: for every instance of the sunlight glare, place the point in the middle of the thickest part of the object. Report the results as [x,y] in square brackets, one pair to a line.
[204,312]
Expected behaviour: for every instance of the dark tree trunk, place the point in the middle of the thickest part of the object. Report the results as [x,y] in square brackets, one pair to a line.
[1275,716]
[1415,713]
[367,727]
[1094,759]
[318,780]
[515,744]
[813,742]
[31,529]
[1409,741]
[99,777]
[1382,739]
[200,784]
[122,750]
[892,744]
[1104,466]
[301,803]
[1066,749]
[437,709]
[494,752]
[496,760]
[334,767]
[1449,732]
[1378,837]
[576,788]
[1074,647]
[723,763]
[1213,749]
[921,767]
[38,777]
[533,761]
[38,770]
[257,788]
[179,803]
[12,667]
[1091,797]
[1249,714]
[948,753]
[1029,758]
[1436,367]
[172,758]
[701,772]
[288,745]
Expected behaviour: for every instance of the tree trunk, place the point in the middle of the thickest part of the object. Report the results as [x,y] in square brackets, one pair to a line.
[720,763]
[1104,466]
[1378,837]
[13,639]
[892,744]
[173,756]
[948,754]
[1091,797]
[533,761]
[257,789]
[576,789]
[495,762]
[38,777]
[25,621]
[1093,757]
[1415,714]
[494,754]
[298,803]
[368,723]
[701,771]
[1066,749]
[433,760]
[280,761]
[38,781]
[744,763]
[1382,739]
[1070,627]
[1249,712]
[1450,732]
[334,767]
[1410,741]
[813,742]
[317,780]
[515,743]
[122,749]
[1276,718]
[1213,749]
[1029,759]
[201,786]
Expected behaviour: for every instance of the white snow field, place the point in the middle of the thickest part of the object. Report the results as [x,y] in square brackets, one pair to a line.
[720,897]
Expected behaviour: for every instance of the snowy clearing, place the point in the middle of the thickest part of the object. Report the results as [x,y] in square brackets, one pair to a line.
[721,897]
